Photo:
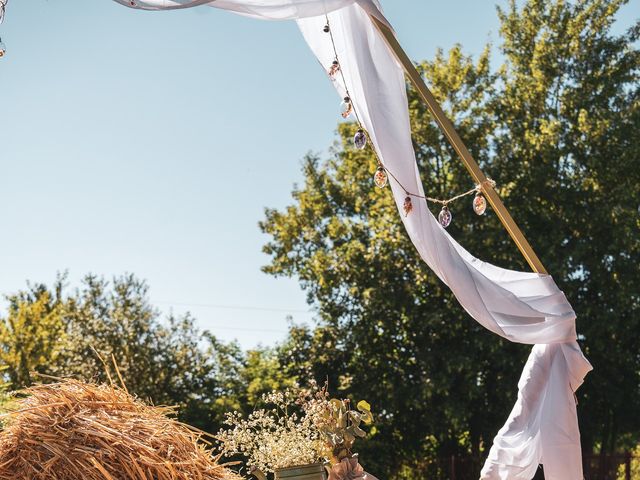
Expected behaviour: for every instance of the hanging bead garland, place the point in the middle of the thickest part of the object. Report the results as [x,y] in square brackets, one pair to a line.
[479,204]
[334,69]
[360,139]
[445,217]
[408,205]
[346,107]
[381,176]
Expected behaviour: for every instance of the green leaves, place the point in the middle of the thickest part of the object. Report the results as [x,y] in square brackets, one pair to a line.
[557,127]
[50,331]
[32,335]
[341,426]
[365,410]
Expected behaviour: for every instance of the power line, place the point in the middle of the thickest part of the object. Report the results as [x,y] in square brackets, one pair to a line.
[263,330]
[234,307]
[238,307]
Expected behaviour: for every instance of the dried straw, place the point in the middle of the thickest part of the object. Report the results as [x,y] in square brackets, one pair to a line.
[71,430]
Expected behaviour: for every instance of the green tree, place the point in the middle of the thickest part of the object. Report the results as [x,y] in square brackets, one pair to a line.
[114,320]
[4,392]
[32,334]
[226,390]
[569,143]
[168,361]
[557,126]
[634,466]
[262,374]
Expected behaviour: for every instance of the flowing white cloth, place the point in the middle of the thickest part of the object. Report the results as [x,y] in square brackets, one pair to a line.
[263,9]
[543,426]
[3,6]
[522,307]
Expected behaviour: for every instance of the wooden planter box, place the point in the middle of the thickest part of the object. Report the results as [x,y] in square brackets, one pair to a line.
[315,471]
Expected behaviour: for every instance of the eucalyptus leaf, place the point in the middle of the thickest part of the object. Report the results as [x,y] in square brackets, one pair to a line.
[364,406]
[367,418]
[342,420]
[356,417]
[349,437]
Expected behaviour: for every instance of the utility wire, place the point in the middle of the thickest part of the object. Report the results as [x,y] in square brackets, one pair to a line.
[262,330]
[233,307]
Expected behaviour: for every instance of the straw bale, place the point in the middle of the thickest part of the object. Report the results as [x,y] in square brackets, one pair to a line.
[72,430]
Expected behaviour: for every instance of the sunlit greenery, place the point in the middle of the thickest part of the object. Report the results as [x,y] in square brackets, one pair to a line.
[556,124]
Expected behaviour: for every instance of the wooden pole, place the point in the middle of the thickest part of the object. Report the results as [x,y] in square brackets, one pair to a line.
[457,144]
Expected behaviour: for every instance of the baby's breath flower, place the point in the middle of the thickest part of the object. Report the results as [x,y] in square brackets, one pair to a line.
[298,427]
[276,437]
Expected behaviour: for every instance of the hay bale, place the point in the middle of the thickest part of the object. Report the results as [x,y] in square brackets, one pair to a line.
[71,430]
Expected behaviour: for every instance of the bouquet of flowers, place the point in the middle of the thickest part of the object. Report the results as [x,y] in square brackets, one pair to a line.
[299,426]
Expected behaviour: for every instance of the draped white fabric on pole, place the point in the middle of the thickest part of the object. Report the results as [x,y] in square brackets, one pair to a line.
[522,307]
[263,9]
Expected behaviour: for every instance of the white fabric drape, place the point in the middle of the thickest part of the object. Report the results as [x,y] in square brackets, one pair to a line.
[263,9]
[543,426]
[522,307]
[3,6]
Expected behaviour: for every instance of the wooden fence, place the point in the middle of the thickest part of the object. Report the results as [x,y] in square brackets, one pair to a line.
[596,467]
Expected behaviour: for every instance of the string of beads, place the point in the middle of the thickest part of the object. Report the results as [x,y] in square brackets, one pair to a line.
[382,174]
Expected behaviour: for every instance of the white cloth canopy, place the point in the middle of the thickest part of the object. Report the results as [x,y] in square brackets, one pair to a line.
[3,6]
[522,307]
[263,9]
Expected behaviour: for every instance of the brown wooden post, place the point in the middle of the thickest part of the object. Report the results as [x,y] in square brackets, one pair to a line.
[452,470]
[458,145]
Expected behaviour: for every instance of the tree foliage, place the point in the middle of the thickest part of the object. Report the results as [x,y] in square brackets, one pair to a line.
[556,125]
[83,333]
[108,321]
[31,334]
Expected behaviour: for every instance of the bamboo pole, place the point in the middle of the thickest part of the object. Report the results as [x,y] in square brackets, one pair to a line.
[458,145]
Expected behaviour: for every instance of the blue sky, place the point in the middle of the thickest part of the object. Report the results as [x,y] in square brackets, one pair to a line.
[150,142]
